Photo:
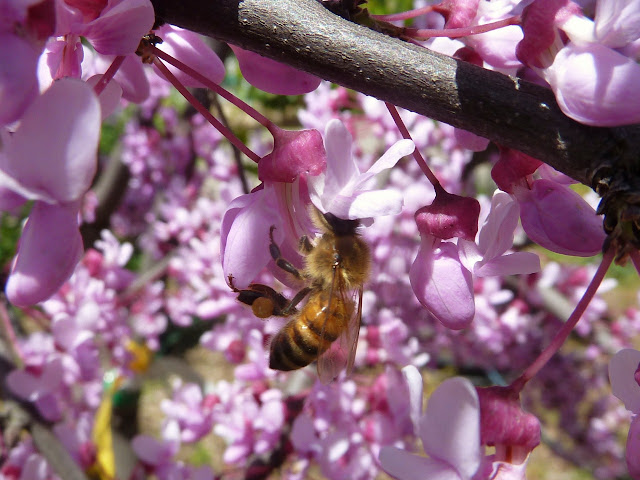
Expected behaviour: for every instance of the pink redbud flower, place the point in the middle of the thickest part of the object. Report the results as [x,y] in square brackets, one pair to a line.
[557,218]
[442,284]
[273,77]
[55,171]
[281,202]
[624,374]
[346,192]
[450,433]
[487,257]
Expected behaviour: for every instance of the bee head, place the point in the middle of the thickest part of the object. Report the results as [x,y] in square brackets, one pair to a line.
[340,226]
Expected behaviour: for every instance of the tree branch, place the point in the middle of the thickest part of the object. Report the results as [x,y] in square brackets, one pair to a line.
[508,111]
[511,112]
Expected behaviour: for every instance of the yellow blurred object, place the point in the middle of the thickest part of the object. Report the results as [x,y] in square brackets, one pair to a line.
[105,465]
[142,356]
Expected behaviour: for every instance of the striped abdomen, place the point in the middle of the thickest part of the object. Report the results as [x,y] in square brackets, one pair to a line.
[310,333]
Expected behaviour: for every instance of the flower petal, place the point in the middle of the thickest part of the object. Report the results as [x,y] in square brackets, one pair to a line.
[60,164]
[622,369]
[18,81]
[49,250]
[407,466]
[632,454]
[442,284]
[450,428]
[273,77]
[596,85]
[190,49]
[118,29]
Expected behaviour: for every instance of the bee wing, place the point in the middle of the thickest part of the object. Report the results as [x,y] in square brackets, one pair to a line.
[342,351]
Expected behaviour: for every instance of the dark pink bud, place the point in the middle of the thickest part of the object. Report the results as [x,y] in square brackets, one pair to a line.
[449,216]
[636,375]
[512,169]
[504,423]
[235,352]
[294,153]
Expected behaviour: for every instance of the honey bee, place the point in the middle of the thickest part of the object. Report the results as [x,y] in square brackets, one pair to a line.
[327,326]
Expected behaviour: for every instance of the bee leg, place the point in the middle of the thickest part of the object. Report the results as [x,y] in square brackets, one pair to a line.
[291,307]
[264,301]
[281,262]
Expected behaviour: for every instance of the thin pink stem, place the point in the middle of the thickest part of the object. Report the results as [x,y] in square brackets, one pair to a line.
[245,107]
[416,153]
[567,328]
[204,112]
[392,17]
[108,75]
[426,33]
[10,333]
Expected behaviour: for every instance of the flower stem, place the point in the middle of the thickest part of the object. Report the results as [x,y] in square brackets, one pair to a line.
[245,107]
[567,328]
[392,17]
[10,335]
[416,153]
[426,33]
[203,111]
[109,74]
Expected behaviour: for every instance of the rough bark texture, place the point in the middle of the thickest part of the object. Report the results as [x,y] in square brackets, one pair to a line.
[508,111]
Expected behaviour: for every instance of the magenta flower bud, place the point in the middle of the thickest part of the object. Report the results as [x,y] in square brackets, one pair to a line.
[504,423]
[294,153]
[512,167]
[441,284]
[557,218]
[449,216]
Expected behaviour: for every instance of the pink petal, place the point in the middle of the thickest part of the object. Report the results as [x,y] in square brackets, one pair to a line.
[18,81]
[109,98]
[469,140]
[31,387]
[442,285]
[190,49]
[148,449]
[374,203]
[407,466]
[130,76]
[53,153]
[414,381]
[632,453]
[272,76]
[622,369]
[518,263]
[496,235]
[341,167]
[557,218]
[245,228]
[49,249]
[119,28]
[400,149]
[450,428]
[617,22]
[596,85]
